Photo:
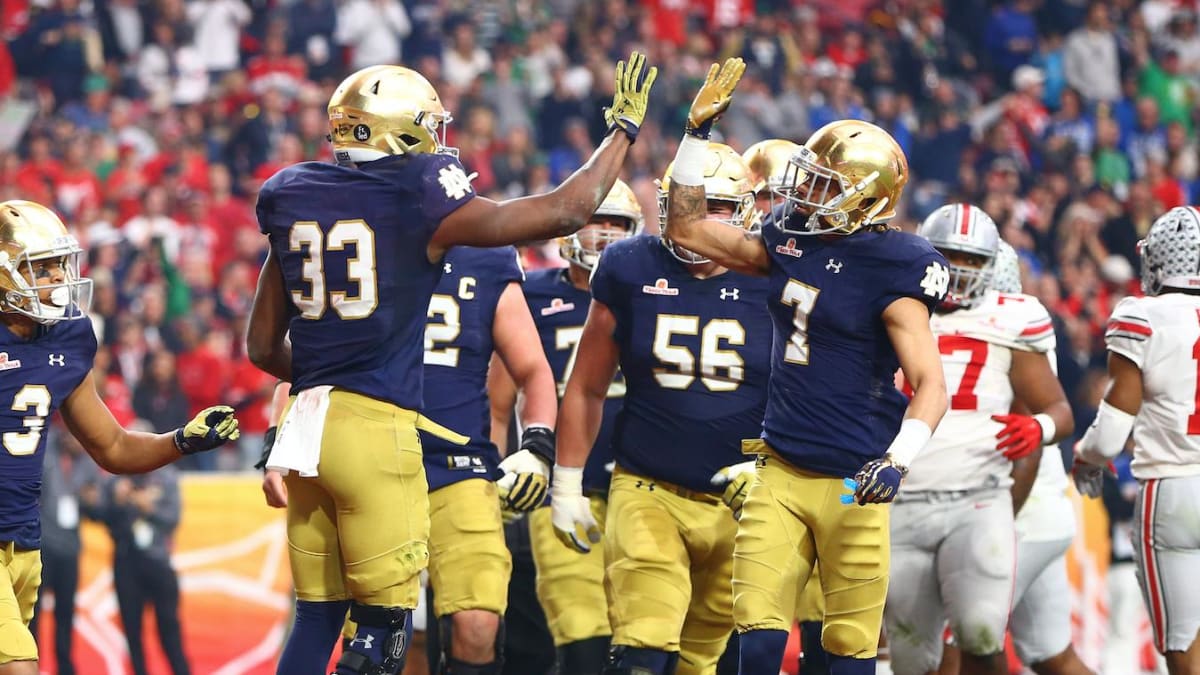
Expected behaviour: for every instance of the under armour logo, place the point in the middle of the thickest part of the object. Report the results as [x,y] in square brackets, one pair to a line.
[446,268]
[726,294]
[645,484]
[58,359]
[834,265]
[365,641]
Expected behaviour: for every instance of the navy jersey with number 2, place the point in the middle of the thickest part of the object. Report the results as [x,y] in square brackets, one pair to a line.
[36,376]
[458,349]
[695,354]
[833,405]
[352,245]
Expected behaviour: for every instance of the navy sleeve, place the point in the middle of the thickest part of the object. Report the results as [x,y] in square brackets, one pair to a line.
[262,208]
[444,188]
[508,266]
[919,272]
[604,283]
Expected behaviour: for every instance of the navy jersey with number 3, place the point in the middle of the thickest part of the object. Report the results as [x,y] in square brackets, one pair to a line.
[559,310]
[458,349]
[695,354]
[352,246]
[833,405]
[36,376]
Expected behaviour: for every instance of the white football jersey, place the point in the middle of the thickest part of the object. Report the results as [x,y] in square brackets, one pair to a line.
[1161,335]
[976,346]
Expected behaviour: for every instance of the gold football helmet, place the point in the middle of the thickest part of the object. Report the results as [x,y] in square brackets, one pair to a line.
[848,175]
[726,179]
[31,233]
[583,248]
[386,110]
[767,161]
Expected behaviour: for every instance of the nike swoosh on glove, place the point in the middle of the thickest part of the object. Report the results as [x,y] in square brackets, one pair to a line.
[736,479]
[209,429]
[1020,437]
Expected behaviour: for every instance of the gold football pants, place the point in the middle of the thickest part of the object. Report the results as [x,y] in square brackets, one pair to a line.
[791,519]
[20,577]
[570,585]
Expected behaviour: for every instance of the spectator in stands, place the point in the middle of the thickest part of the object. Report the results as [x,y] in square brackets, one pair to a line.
[372,31]
[1092,65]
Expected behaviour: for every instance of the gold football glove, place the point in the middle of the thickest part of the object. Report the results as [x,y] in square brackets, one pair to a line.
[736,480]
[714,97]
[209,429]
[630,95]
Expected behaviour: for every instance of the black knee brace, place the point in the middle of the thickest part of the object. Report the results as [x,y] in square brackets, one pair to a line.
[397,621]
[583,657]
[625,660]
[448,665]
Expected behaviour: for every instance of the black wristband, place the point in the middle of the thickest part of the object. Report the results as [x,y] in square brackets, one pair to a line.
[268,443]
[539,441]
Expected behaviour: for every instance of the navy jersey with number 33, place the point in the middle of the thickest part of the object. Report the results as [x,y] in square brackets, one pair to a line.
[36,376]
[352,245]
[696,356]
[833,405]
[458,349]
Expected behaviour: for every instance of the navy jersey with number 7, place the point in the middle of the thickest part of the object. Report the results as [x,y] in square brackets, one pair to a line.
[833,405]
[559,310]
[458,350]
[352,243]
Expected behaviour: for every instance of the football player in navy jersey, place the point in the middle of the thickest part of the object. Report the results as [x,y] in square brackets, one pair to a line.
[768,163]
[692,340]
[46,348]
[356,251]
[477,308]
[570,586]
[850,300]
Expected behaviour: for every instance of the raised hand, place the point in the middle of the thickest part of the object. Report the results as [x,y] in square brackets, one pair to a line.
[631,93]
[714,97]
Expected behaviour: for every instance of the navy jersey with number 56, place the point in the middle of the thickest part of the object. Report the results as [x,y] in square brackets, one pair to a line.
[36,376]
[833,405]
[559,310]
[696,357]
[458,349]
[352,246]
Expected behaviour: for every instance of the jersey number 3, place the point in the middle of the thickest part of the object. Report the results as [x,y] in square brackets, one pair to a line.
[306,235]
[35,399]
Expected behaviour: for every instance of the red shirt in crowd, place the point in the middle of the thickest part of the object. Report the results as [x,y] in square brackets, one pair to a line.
[202,377]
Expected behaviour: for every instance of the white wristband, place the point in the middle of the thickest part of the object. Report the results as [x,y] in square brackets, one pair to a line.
[909,442]
[568,481]
[689,161]
[1106,437]
[1046,422]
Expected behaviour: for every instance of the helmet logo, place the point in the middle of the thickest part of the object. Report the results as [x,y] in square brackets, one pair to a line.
[362,132]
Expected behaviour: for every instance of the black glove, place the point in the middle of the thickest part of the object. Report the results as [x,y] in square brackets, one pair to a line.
[540,441]
[209,429]
[268,443]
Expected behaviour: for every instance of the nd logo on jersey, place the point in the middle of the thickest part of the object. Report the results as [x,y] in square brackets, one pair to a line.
[936,281]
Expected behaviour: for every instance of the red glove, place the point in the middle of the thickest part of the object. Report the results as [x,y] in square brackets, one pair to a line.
[1020,437]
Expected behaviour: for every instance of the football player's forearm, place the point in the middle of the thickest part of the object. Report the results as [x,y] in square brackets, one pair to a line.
[1024,473]
[1064,422]
[135,452]
[541,396]
[686,207]
[581,417]
[567,208]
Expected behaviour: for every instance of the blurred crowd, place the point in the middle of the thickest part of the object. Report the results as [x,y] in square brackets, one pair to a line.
[150,124]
